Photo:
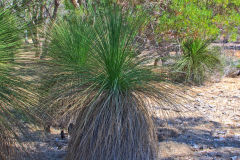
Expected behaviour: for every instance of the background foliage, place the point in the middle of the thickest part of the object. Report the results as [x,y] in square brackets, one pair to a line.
[199,19]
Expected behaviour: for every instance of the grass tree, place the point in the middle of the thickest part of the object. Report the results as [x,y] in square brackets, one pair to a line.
[197,60]
[14,94]
[98,67]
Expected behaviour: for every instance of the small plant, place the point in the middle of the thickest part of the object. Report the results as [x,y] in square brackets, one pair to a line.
[196,61]
[238,66]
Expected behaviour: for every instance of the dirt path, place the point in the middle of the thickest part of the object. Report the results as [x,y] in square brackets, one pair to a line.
[214,133]
[37,144]
[44,146]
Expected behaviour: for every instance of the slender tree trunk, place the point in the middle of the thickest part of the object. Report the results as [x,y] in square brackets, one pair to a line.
[75,4]
[34,30]
[36,41]
[52,18]
[79,2]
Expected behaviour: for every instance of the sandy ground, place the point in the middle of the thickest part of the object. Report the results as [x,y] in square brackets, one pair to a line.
[211,133]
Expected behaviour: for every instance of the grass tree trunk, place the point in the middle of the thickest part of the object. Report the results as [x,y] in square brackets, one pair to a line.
[36,41]
[115,127]
[49,27]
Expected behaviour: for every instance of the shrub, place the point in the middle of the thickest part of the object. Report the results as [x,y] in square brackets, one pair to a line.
[111,90]
[196,60]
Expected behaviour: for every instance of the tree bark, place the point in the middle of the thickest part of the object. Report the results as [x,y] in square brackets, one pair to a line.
[75,4]
[52,18]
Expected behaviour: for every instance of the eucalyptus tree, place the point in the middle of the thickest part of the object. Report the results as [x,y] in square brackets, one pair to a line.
[36,14]
[198,19]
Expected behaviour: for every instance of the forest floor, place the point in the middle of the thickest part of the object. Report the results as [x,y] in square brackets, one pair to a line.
[212,133]
[37,144]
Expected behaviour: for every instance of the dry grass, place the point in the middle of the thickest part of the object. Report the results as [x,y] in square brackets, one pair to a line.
[9,146]
[114,127]
[169,150]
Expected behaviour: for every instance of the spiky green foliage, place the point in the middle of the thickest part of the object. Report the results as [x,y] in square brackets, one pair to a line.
[238,66]
[197,60]
[112,91]
[14,96]
[8,44]
[67,41]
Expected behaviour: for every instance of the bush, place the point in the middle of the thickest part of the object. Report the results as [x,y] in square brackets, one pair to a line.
[196,61]
[111,90]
